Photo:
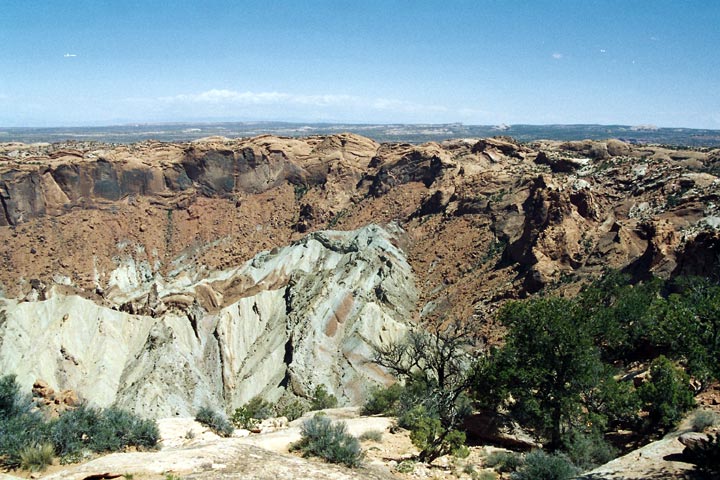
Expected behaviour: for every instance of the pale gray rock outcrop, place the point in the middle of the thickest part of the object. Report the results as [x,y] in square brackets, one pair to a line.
[288,320]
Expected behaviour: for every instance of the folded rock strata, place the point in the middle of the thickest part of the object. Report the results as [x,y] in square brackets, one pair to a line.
[287,320]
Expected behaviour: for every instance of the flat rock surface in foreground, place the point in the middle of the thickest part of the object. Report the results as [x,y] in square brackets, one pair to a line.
[223,459]
[655,461]
[206,456]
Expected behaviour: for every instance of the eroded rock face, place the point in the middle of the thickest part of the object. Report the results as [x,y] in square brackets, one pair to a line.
[486,219]
[290,319]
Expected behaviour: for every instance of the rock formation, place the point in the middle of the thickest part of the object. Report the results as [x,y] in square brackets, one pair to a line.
[137,247]
[290,319]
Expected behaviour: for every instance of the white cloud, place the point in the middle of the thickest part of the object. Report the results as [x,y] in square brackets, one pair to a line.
[557,56]
[223,96]
[228,104]
[70,55]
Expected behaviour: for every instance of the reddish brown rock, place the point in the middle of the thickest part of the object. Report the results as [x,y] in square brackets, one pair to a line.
[485,219]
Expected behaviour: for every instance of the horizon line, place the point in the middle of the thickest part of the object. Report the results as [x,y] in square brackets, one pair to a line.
[499,126]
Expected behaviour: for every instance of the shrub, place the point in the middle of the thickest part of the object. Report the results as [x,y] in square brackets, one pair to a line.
[260,408]
[144,433]
[383,400]
[703,419]
[36,458]
[588,450]
[667,394]
[19,432]
[25,433]
[406,466]
[249,414]
[20,426]
[539,465]
[118,429]
[242,418]
[433,440]
[322,399]
[73,431]
[215,421]
[689,321]
[372,435]
[614,404]
[109,430]
[504,462]
[330,441]
[293,409]
[12,402]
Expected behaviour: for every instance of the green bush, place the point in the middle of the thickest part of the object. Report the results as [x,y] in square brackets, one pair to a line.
[108,430]
[666,394]
[259,408]
[241,418]
[75,429]
[688,321]
[12,402]
[588,450]
[383,400]
[293,409]
[19,432]
[539,465]
[215,421]
[322,399]
[406,466]
[24,431]
[703,419]
[433,440]
[504,462]
[36,458]
[330,441]
[118,429]
[20,426]
[613,405]
[372,435]
[252,412]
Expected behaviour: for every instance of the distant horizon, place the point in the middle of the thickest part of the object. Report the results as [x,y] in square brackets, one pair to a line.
[390,132]
[349,123]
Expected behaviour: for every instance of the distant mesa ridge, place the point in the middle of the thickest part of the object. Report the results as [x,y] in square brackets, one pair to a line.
[415,133]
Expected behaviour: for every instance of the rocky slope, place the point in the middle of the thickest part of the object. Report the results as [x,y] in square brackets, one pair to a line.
[143,243]
[288,320]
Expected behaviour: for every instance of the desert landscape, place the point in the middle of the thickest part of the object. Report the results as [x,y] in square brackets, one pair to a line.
[220,270]
[378,239]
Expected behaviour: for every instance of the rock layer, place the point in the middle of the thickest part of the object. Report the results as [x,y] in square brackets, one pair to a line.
[486,219]
[288,320]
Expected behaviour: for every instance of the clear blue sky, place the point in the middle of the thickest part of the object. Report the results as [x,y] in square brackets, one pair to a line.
[90,62]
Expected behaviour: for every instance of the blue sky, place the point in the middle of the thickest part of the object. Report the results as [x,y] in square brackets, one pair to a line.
[94,62]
